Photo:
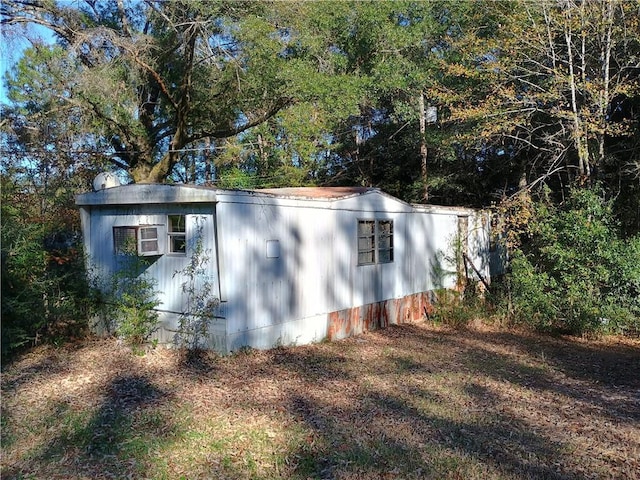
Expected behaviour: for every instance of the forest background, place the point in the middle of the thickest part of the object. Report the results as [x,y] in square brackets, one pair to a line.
[529,108]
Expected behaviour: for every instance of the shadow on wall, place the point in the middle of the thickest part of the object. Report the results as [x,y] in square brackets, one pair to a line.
[316,271]
[467,256]
[264,260]
[413,247]
[443,267]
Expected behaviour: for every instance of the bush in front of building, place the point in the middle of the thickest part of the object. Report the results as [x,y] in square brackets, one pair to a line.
[128,300]
[45,295]
[575,271]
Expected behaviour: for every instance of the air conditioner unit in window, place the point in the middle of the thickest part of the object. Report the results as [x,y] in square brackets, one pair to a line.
[148,243]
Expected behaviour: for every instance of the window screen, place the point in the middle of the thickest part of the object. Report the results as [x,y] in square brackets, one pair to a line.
[366,242]
[148,241]
[125,240]
[385,241]
[375,241]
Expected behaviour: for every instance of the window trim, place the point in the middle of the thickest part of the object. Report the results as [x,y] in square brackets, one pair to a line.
[378,246]
[173,235]
[142,240]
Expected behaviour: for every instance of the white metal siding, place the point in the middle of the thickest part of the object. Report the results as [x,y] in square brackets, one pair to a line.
[283,263]
[317,271]
[166,268]
[263,292]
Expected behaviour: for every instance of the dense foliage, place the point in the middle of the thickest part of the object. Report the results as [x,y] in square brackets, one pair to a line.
[575,272]
[529,97]
[44,292]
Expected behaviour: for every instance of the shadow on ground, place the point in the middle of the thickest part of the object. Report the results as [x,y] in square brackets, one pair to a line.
[390,432]
[115,440]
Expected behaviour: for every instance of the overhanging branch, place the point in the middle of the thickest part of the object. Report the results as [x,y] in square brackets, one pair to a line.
[237,129]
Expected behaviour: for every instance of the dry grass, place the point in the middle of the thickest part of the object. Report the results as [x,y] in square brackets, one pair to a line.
[406,402]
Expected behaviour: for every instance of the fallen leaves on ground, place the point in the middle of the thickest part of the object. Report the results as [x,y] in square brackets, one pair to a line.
[413,401]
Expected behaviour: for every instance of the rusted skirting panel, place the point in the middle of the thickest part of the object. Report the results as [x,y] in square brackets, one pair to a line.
[356,320]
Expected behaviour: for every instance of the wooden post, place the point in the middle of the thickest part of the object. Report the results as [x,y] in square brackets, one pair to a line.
[461,252]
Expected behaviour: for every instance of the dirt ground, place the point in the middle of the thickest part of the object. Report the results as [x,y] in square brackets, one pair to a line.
[414,401]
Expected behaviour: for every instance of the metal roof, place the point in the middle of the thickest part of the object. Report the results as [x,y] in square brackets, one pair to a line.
[178,193]
[138,194]
[317,192]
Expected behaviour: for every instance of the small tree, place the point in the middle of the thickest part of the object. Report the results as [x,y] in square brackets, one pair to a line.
[200,302]
[130,300]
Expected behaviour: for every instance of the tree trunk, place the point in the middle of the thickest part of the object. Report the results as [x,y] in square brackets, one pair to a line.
[579,132]
[208,165]
[263,165]
[423,147]
[605,59]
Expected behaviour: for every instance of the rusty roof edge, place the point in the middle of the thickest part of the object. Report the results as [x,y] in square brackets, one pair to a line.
[445,209]
[318,193]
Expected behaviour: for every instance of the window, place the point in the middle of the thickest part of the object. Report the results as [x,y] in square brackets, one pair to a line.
[136,240]
[385,241]
[375,241]
[125,240]
[366,242]
[177,234]
[150,239]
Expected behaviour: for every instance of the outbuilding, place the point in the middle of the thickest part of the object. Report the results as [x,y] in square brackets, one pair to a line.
[286,265]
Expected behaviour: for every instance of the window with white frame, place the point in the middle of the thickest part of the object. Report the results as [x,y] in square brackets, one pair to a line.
[148,241]
[177,233]
[138,240]
[375,241]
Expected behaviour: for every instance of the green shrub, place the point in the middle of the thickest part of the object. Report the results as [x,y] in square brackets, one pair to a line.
[45,295]
[200,301]
[576,273]
[458,310]
[531,295]
[129,299]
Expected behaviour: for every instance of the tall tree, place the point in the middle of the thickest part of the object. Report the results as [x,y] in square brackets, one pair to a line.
[389,47]
[559,68]
[415,56]
[155,80]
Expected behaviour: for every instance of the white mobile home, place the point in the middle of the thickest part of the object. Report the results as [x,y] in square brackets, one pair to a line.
[289,265]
